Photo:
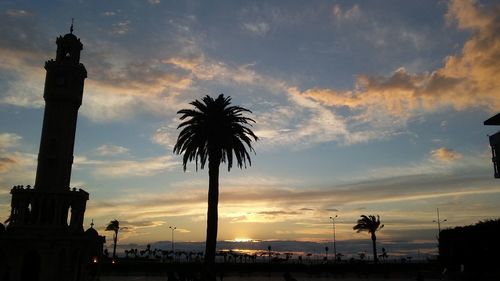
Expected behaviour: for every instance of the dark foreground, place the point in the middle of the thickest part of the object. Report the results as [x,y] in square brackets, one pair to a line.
[125,271]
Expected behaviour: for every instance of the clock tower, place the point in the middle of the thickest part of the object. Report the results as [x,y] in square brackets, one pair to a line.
[63,96]
[44,239]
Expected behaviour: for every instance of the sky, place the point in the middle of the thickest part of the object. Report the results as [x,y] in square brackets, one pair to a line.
[361,107]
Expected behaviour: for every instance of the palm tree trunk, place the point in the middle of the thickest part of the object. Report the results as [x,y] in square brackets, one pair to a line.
[374,242]
[212,213]
[114,246]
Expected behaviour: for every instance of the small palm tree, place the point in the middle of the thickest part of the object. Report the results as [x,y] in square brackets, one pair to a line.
[213,131]
[384,254]
[114,225]
[370,224]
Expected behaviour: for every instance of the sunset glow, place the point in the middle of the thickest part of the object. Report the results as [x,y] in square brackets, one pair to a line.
[244,240]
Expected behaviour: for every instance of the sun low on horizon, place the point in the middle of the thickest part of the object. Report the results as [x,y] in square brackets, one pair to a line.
[360,107]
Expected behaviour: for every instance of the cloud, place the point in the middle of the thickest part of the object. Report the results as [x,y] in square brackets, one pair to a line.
[402,95]
[118,81]
[6,163]
[18,13]
[166,136]
[256,28]
[128,168]
[246,208]
[350,14]
[306,122]
[140,224]
[20,32]
[444,154]
[10,160]
[467,14]
[119,90]
[109,13]
[23,49]
[121,27]
[154,2]
[121,85]
[277,213]
[17,168]
[9,140]
[468,80]
[206,69]
[106,150]
[245,202]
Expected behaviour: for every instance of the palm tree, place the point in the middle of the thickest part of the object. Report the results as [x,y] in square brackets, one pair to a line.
[370,224]
[213,131]
[114,225]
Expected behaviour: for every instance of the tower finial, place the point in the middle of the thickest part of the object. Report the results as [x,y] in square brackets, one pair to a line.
[71,28]
[92,224]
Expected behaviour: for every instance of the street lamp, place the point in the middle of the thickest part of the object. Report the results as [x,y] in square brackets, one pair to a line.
[439,223]
[173,228]
[334,240]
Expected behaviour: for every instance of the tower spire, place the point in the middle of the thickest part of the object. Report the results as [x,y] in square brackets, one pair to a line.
[71,27]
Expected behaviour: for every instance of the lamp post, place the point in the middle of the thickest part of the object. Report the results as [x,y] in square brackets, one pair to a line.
[334,240]
[173,228]
[439,223]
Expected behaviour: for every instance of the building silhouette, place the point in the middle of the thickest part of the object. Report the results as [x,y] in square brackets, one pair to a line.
[495,144]
[43,238]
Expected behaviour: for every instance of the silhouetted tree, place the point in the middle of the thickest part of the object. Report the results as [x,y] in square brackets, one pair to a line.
[384,254]
[362,256]
[114,226]
[370,224]
[474,246]
[213,131]
[339,257]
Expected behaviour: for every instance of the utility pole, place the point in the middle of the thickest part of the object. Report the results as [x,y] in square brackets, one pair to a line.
[334,240]
[439,223]
[173,228]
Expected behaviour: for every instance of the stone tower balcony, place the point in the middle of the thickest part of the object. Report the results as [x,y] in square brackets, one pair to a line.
[47,210]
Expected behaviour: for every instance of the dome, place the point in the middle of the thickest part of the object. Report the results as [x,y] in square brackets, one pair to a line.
[70,36]
[91,232]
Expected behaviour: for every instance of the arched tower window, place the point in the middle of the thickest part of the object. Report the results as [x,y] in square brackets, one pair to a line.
[69,214]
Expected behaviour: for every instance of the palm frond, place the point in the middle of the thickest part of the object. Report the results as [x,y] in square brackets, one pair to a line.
[213,127]
[370,224]
[113,225]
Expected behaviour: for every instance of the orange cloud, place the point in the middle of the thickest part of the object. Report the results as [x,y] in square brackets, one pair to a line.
[9,140]
[5,163]
[470,79]
[444,154]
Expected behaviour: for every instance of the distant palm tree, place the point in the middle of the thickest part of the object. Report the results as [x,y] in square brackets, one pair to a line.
[114,225]
[384,254]
[213,131]
[370,224]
